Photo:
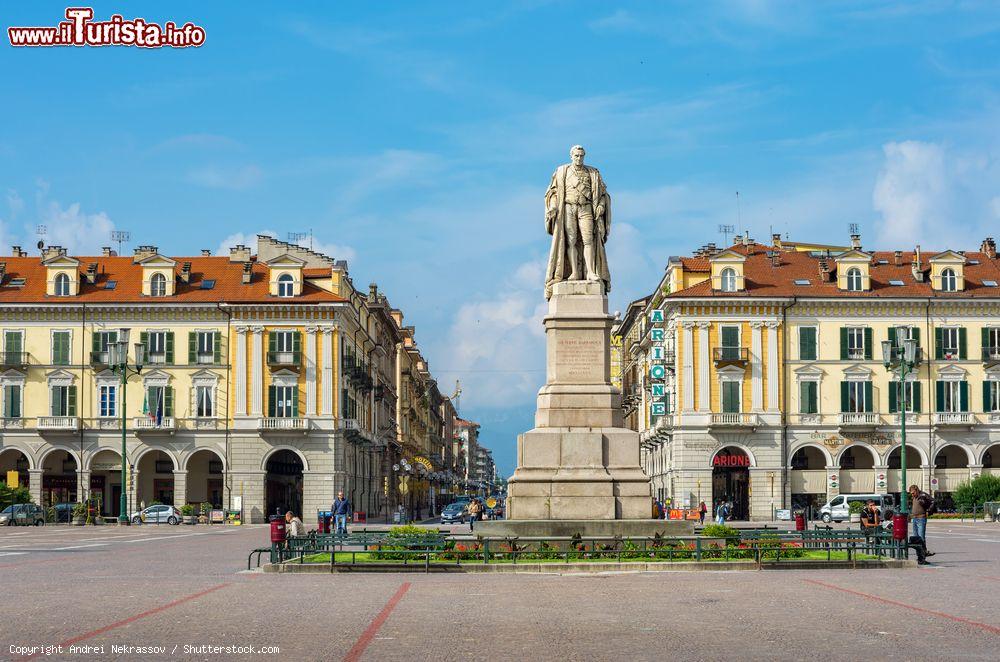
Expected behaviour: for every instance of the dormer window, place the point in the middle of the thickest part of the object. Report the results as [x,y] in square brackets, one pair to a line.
[62,286]
[286,286]
[158,286]
[854,280]
[949,281]
[728,280]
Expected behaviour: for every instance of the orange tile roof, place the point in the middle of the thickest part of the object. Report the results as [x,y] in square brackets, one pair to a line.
[764,280]
[228,276]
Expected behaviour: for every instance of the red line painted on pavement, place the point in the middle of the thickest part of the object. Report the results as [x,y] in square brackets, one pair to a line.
[368,635]
[132,619]
[940,614]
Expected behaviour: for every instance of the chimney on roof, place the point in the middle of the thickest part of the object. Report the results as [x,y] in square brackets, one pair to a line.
[372,292]
[16,250]
[776,240]
[206,252]
[91,274]
[142,252]
[186,273]
[745,239]
[856,242]
[775,258]
[106,251]
[897,258]
[3,271]
[52,251]
[239,253]
[917,268]
[247,270]
[989,247]
[824,271]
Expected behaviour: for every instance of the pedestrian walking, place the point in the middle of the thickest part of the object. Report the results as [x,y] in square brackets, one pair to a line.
[921,506]
[702,511]
[341,510]
[475,513]
[294,525]
[722,514]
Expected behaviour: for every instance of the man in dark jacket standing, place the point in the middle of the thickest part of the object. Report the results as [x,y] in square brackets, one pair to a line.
[341,510]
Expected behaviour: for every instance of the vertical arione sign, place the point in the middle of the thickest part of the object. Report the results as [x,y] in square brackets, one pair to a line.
[657,369]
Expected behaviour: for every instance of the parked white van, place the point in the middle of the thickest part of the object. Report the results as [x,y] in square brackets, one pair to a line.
[838,508]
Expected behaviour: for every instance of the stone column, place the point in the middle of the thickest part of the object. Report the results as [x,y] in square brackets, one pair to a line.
[687,365]
[35,484]
[257,376]
[329,333]
[82,484]
[773,378]
[756,368]
[704,363]
[311,370]
[132,496]
[241,370]
[180,488]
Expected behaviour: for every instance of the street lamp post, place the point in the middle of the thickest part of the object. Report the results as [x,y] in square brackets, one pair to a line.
[901,359]
[118,360]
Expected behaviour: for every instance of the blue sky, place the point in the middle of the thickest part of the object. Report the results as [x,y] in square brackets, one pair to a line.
[416,140]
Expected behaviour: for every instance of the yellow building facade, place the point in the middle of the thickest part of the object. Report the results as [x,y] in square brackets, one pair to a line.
[763,384]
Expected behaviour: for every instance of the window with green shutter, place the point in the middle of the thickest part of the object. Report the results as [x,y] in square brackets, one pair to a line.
[869,344]
[808,397]
[991,396]
[193,347]
[807,343]
[61,347]
[170,348]
[912,392]
[730,397]
[952,396]
[217,348]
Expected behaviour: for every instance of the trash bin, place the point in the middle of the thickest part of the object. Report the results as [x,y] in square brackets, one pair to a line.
[277,530]
[360,516]
[800,522]
[899,527]
[323,521]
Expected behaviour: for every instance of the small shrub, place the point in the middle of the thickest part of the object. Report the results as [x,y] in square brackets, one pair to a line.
[187,510]
[719,531]
[971,495]
[855,507]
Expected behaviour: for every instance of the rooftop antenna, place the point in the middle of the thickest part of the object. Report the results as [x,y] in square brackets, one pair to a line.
[739,216]
[41,231]
[296,237]
[726,230]
[853,228]
[122,237]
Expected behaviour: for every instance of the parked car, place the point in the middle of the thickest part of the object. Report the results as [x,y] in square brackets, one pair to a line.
[838,508]
[22,514]
[457,511]
[64,512]
[159,514]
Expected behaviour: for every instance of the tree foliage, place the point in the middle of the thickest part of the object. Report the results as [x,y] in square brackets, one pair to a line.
[973,494]
[10,496]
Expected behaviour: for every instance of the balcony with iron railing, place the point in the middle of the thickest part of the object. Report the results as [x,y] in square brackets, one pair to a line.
[13,359]
[858,419]
[953,418]
[57,423]
[730,355]
[282,424]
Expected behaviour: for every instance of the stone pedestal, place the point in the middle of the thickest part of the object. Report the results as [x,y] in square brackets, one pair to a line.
[579,462]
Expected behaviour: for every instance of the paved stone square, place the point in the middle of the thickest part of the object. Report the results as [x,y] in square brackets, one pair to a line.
[183,588]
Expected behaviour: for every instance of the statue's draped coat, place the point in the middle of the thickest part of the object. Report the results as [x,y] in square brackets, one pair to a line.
[555,198]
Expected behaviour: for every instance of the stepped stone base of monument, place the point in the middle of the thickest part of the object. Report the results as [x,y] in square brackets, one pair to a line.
[579,463]
[585,528]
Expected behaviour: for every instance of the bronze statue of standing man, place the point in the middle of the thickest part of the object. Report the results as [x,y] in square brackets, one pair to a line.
[578,216]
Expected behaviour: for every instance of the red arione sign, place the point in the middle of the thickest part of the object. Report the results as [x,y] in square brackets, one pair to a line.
[730,461]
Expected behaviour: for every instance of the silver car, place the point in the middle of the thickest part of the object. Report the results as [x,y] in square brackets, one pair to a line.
[159,514]
[24,514]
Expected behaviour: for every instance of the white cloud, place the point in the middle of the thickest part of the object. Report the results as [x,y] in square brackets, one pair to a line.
[244,238]
[496,344]
[911,192]
[235,178]
[79,232]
